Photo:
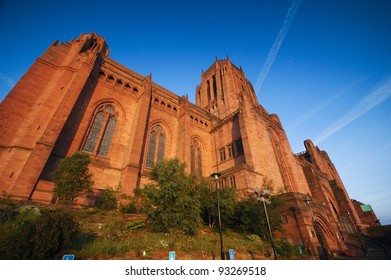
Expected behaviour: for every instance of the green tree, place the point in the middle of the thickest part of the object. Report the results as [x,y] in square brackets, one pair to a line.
[250,213]
[250,216]
[208,199]
[72,177]
[172,204]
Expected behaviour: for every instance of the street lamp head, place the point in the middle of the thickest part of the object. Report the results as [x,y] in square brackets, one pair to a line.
[266,193]
[262,195]
[215,175]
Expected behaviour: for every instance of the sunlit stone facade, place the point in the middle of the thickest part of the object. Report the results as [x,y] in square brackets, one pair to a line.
[75,97]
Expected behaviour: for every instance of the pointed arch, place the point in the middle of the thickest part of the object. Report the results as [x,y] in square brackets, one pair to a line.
[156,145]
[101,130]
[195,157]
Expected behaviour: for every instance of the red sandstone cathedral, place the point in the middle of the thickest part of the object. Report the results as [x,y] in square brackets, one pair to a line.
[75,97]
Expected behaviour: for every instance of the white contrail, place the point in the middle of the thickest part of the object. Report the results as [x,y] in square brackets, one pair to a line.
[277,44]
[366,104]
[315,110]
[368,156]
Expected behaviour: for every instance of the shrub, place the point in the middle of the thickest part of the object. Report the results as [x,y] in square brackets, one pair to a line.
[172,204]
[72,177]
[35,235]
[284,248]
[7,212]
[54,232]
[129,208]
[108,200]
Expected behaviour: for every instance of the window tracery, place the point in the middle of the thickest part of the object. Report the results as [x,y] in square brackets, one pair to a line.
[101,131]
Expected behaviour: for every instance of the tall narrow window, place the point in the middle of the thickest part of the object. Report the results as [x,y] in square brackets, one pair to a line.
[107,137]
[208,90]
[151,149]
[101,131]
[199,159]
[222,154]
[231,150]
[160,151]
[195,158]
[214,87]
[221,83]
[156,146]
[95,130]
[239,147]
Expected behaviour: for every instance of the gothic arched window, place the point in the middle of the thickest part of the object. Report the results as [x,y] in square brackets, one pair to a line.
[157,142]
[195,158]
[214,87]
[208,90]
[101,131]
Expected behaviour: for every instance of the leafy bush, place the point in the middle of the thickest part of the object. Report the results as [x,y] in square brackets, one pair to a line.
[72,177]
[208,201]
[250,217]
[173,204]
[108,200]
[284,248]
[54,232]
[129,208]
[35,235]
[7,212]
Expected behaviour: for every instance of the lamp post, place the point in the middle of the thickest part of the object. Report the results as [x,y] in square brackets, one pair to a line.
[308,201]
[216,176]
[264,196]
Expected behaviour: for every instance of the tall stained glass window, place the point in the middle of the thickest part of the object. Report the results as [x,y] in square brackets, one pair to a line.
[195,158]
[100,135]
[156,145]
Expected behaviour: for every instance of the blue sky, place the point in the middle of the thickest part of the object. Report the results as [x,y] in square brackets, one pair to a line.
[324,66]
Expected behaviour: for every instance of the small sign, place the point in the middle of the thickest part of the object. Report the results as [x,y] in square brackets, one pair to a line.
[231,254]
[68,257]
[171,255]
[300,251]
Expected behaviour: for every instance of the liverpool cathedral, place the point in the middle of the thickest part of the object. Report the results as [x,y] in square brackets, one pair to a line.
[76,98]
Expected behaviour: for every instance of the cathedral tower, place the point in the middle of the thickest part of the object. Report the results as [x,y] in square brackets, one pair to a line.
[221,88]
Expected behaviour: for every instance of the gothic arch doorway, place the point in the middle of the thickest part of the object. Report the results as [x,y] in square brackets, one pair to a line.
[327,240]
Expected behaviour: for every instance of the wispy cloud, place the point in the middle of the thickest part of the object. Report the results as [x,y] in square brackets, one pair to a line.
[277,44]
[292,126]
[366,104]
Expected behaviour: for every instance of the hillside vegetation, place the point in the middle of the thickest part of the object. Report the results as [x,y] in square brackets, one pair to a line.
[175,212]
[101,234]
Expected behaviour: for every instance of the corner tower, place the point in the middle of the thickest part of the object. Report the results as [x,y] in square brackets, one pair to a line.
[222,87]
[36,110]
